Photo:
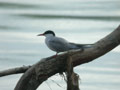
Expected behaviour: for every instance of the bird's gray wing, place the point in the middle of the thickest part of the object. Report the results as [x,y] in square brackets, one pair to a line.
[81,45]
[59,44]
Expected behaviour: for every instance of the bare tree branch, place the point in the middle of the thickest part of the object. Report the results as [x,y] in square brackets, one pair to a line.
[47,67]
[16,70]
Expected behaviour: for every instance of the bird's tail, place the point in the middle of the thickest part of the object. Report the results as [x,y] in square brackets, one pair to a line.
[87,45]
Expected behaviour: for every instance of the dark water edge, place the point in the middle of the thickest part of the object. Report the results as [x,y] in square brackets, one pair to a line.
[44,16]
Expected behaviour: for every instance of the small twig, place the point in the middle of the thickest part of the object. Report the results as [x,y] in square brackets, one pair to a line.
[48,85]
[64,76]
[57,84]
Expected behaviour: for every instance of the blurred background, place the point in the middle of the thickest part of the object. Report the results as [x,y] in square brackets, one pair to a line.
[79,21]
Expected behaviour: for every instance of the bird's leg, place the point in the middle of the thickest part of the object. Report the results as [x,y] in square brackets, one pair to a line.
[54,56]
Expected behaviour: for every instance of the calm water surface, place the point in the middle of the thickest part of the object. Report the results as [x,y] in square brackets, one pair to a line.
[80,21]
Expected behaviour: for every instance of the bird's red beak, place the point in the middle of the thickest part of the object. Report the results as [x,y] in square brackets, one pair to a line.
[40,35]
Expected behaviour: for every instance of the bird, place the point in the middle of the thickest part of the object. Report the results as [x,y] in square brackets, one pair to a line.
[59,44]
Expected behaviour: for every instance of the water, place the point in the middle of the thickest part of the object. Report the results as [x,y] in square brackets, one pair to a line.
[86,20]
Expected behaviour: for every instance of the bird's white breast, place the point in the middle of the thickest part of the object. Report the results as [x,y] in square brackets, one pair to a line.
[48,42]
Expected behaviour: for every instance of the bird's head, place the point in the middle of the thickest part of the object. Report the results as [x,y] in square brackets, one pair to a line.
[47,33]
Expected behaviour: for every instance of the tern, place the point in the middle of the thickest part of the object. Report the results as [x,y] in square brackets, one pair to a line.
[59,44]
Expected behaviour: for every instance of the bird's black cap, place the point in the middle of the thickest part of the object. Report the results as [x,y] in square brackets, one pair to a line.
[49,32]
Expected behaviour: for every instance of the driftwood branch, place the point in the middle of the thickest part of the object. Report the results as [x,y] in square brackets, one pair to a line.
[16,70]
[48,67]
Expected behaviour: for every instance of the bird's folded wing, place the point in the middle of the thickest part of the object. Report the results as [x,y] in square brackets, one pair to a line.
[82,45]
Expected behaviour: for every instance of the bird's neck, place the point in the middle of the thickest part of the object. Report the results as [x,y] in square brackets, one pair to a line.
[49,36]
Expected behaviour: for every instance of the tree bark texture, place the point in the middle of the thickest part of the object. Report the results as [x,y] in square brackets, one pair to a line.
[72,77]
[48,67]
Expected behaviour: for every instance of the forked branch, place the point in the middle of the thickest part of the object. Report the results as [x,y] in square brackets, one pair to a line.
[48,67]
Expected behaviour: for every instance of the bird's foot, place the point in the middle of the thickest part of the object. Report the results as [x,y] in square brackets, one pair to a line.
[54,56]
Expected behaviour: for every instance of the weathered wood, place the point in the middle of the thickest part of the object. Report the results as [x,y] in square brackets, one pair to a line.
[47,67]
[72,77]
